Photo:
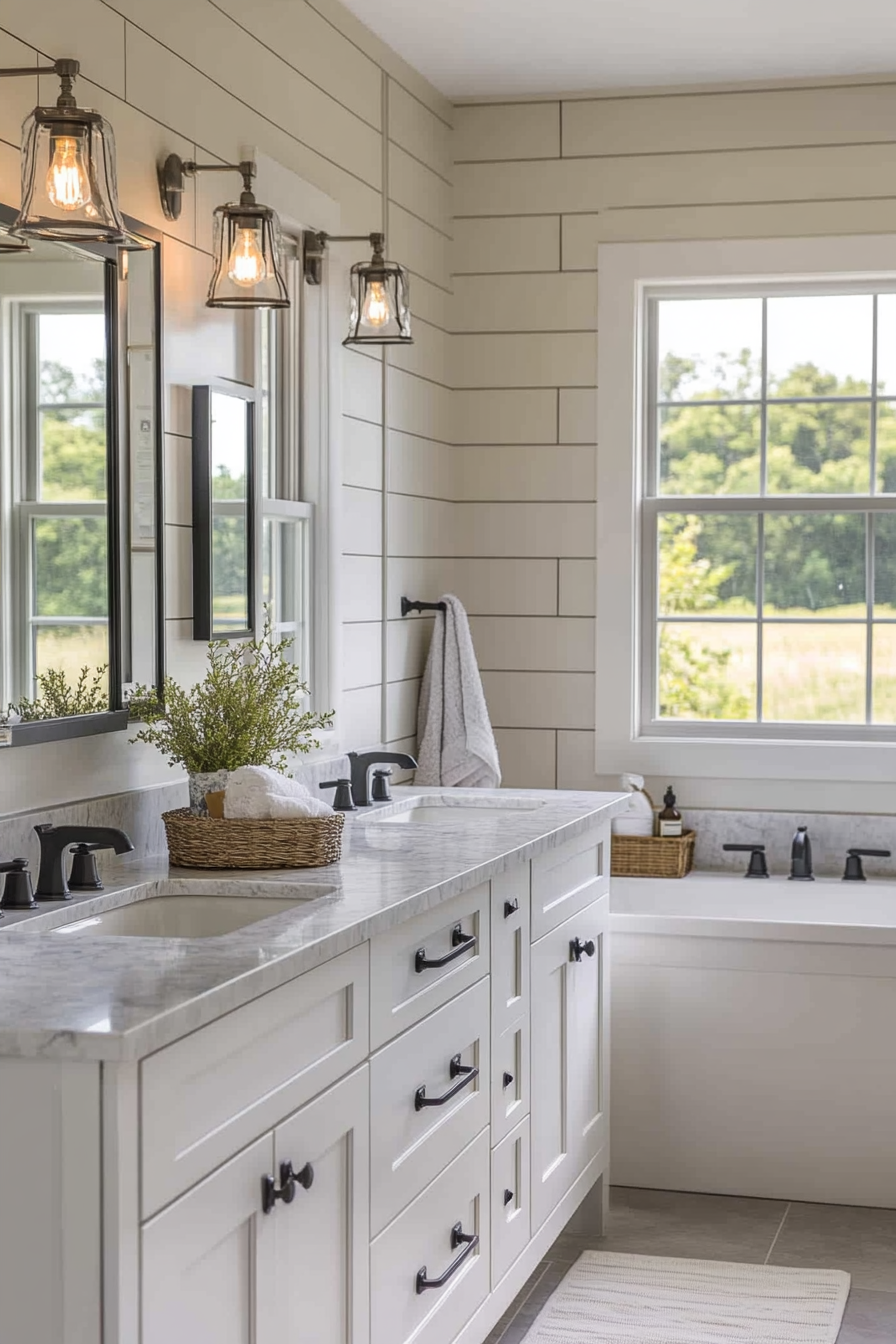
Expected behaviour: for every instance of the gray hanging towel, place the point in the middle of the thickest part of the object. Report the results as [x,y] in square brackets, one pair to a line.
[455,743]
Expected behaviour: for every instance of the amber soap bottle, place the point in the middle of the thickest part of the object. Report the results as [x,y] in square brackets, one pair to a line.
[670,817]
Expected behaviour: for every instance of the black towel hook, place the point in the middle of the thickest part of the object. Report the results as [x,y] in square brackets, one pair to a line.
[408,606]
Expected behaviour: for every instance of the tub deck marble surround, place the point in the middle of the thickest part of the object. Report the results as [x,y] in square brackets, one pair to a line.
[117,998]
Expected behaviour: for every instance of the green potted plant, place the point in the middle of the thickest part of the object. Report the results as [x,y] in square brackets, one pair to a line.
[247,710]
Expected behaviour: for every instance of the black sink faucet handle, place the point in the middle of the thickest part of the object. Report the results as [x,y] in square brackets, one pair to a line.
[84,875]
[343,800]
[380,792]
[854,872]
[757,866]
[17,893]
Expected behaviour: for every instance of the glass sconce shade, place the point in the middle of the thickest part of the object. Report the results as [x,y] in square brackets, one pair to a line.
[69,190]
[379,311]
[248,271]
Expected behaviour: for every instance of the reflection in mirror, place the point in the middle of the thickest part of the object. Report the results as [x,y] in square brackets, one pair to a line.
[223,532]
[78,482]
[56,363]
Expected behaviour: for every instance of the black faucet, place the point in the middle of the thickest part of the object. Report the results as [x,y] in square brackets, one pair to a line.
[54,840]
[362,762]
[801,857]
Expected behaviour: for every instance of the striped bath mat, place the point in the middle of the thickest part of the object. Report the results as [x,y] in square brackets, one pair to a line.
[652,1299]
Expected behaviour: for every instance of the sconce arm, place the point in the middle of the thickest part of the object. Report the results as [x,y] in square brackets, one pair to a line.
[175,169]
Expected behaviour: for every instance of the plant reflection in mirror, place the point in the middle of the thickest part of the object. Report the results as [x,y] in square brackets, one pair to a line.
[60,699]
[248,710]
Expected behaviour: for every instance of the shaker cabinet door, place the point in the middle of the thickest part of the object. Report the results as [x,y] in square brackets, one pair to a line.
[207,1260]
[322,1237]
[569,1054]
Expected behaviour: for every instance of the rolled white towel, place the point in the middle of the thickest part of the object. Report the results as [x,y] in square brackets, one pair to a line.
[259,792]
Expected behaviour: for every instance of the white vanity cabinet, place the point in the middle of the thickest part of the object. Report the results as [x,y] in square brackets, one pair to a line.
[378,1151]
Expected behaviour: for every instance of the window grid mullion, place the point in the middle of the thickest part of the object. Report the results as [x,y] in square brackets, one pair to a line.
[869,611]
[872,489]
[760,602]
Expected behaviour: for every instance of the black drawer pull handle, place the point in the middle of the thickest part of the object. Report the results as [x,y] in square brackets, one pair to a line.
[464,1073]
[577,947]
[459,1237]
[508,1079]
[511,907]
[460,943]
[508,1197]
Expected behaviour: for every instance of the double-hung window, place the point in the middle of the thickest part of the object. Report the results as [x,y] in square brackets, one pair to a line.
[59,561]
[769,538]
[746,567]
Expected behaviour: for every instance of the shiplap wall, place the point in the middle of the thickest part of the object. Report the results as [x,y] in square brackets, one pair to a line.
[538,185]
[310,87]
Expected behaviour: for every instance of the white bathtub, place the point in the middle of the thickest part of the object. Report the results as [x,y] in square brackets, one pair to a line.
[754,1037]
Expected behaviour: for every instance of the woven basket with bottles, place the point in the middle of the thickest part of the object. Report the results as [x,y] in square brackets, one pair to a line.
[652,855]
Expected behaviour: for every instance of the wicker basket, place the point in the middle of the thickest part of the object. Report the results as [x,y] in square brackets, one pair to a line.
[204,842]
[652,855]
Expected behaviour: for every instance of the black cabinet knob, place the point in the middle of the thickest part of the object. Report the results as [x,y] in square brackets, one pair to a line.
[286,1191]
[508,1079]
[511,907]
[577,948]
[508,1197]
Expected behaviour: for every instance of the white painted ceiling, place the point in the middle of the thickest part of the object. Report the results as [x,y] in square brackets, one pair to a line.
[478,47]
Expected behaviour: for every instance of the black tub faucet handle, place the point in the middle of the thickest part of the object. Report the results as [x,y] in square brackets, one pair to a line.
[854,872]
[757,866]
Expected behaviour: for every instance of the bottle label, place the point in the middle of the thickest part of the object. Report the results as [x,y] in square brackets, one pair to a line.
[670,828]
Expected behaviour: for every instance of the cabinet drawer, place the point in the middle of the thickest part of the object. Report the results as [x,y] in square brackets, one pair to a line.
[510,1200]
[206,1096]
[411,1142]
[510,1079]
[405,985]
[421,1239]
[510,947]
[568,878]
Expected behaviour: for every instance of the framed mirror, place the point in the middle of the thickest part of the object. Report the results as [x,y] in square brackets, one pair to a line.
[80,485]
[223,511]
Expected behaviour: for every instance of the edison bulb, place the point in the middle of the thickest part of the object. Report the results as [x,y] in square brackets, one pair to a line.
[377,309]
[68,180]
[246,263]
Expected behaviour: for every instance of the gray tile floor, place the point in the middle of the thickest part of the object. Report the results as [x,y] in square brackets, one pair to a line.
[754,1231]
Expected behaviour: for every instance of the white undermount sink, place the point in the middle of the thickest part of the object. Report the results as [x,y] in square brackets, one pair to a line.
[442,811]
[178,917]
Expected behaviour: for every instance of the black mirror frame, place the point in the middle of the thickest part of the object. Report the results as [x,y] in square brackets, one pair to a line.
[115,719]
[203,596]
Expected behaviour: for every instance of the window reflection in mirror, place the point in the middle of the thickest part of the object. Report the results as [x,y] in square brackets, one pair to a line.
[223,523]
[55,365]
[79,479]
[230,522]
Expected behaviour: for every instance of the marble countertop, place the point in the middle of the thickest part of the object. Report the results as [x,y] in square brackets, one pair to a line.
[120,998]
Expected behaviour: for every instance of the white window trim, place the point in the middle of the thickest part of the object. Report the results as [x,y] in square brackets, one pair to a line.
[301,205]
[626,272]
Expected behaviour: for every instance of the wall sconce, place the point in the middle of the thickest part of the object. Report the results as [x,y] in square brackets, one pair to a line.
[379,310]
[68,168]
[248,270]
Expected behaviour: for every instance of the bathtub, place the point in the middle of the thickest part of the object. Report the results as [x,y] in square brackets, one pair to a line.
[754,1037]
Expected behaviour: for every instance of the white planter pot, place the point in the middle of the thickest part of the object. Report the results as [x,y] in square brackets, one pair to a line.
[207,781]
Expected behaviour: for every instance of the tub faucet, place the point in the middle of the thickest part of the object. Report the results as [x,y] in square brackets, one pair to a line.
[362,762]
[801,857]
[54,840]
